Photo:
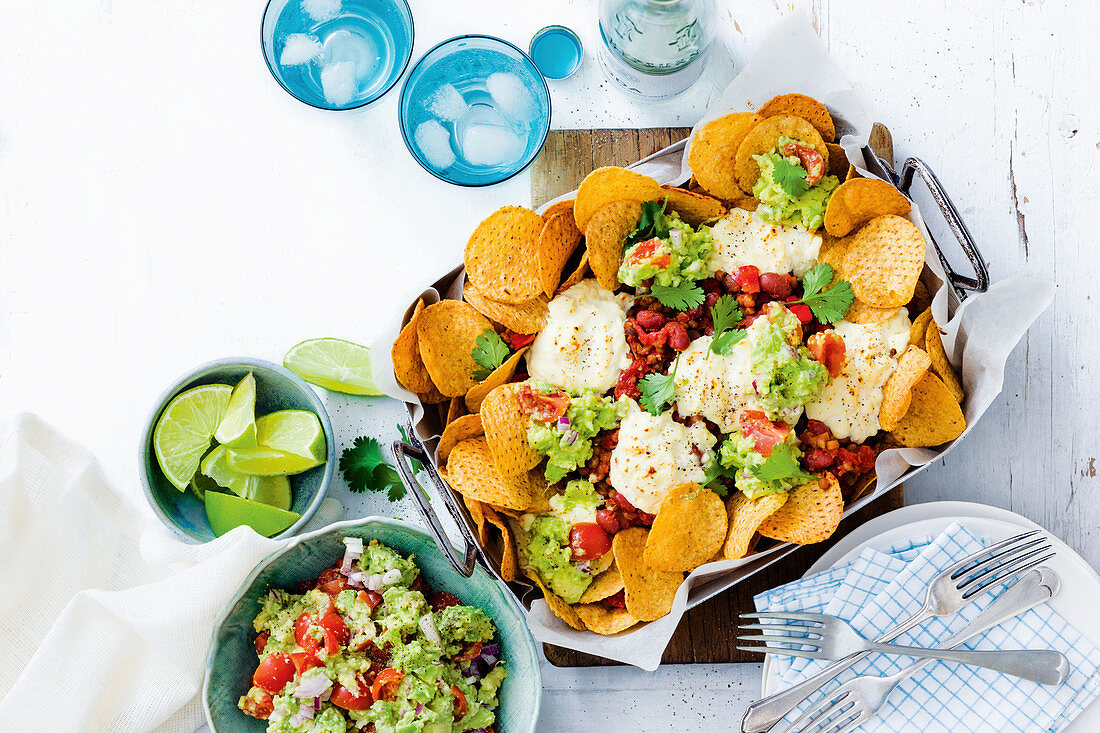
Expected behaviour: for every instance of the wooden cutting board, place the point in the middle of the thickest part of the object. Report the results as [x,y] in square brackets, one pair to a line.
[707,633]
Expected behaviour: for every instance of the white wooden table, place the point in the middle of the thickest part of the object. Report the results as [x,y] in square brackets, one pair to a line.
[163,203]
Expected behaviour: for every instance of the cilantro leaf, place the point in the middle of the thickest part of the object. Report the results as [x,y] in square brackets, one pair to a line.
[726,315]
[658,390]
[489,352]
[782,465]
[791,177]
[714,475]
[366,469]
[651,223]
[828,306]
[680,297]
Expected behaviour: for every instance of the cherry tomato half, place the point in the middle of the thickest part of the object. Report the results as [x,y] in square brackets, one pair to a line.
[460,702]
[274,672]
[588,541]
[344,698]
[386,683]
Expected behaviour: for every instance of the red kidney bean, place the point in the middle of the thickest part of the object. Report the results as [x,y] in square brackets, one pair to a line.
[711,299]
[818,459]
[677,335]
[608,520]
[775,285]
[650,320]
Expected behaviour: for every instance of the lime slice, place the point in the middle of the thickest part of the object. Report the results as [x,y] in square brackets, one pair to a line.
[185,428]
[271,490]
[293,431]
[226,511]
[238,425]
[200,484]
[268,462]
[334,364]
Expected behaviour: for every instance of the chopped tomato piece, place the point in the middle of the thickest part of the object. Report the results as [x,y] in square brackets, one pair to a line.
[386,683]
[261,708]
[519,340]
[810,159]
[273,673]
[764,433]
[544,407]
[801,311]
[588,541]
[369,597]
[748,278]
[304,660]
[469,654]
[460,702]
[335,631]
[829,349]
[344,698]
[261,641]
[332,582]
[302,635]
[652,252]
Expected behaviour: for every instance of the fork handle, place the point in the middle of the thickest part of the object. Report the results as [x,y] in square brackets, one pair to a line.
[763,714]
[1044,666]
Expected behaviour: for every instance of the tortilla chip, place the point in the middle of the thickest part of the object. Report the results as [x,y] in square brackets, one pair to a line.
[477,513]
[802,106]
[851,174]
[897,392]
[408,367]
[713,150]
[607,184]
[508,563]
[933,340]
[447,333]
[763,139]
[472,472]
[501,256]
[649,592]
[605,235]
[557,604]
[604,585]
[832,251]
[858,201]
[558,239]
[501,375]
[884,260]
[860,312]
[811,514]
[746,203]
[863,485]
[934,417]
[506,431]
[745,516]
[922,299]
[529,317]
[689,528]
[456,409]
[462,428]
[432,396]
[577,275]
[559,207]
[694,208]
[604,620]
[919,327]
[838,161]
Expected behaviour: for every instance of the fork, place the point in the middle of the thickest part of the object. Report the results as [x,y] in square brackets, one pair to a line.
[857,701]
[833,638]
[953,589]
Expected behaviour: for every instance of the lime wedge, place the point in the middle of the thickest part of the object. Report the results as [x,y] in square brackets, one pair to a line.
[238,425]
[271,490]
[293,431]
[226,511]
[200,484]
[183,432]
[268,462]
[334,364]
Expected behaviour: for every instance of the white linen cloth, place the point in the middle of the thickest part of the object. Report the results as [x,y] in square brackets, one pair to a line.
[880,589]
[105,618]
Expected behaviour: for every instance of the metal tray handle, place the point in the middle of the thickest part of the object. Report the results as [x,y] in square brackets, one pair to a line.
[403,453]
[960,284]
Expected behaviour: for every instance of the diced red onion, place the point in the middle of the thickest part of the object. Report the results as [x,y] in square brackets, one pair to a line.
[427,625]
[391,576]
[419,709]
[491,649]
[304,713]
[373,582]
[675,236]
[571,437]
[490,660]
[353,552]
[584,567]
[312,685]
[563,423]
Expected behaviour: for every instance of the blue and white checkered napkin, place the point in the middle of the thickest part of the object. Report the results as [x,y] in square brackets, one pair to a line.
[880,589]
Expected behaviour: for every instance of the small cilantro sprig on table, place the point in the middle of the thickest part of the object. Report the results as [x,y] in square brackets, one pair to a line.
[782,465]
[489,352]
[651,223]
[791,177]
[684,296]
[658,390]
[828,306]
[366,469]
[726,315]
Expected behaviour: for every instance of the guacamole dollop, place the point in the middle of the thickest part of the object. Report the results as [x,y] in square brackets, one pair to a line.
[787,376]
[568,448]
[779,206]
[739,452]
[548,553]
[423,650]
[679,254]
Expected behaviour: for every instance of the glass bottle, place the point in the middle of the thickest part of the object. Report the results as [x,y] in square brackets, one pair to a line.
[655,48]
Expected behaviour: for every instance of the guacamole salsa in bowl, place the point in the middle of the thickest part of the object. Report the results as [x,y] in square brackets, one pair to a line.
[418,647]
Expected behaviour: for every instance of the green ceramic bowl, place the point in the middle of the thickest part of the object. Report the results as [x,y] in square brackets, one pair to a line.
[276,389]
[233,658]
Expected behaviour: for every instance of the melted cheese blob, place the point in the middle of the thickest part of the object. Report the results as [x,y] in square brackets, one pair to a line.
[850,403]
[718,387]
[655,454]
[744,238]
[583,343]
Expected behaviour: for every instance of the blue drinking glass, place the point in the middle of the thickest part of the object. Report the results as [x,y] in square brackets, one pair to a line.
[337,54]
[474,111]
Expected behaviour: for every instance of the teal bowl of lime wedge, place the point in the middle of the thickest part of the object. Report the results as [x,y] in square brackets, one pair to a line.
[237,442]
